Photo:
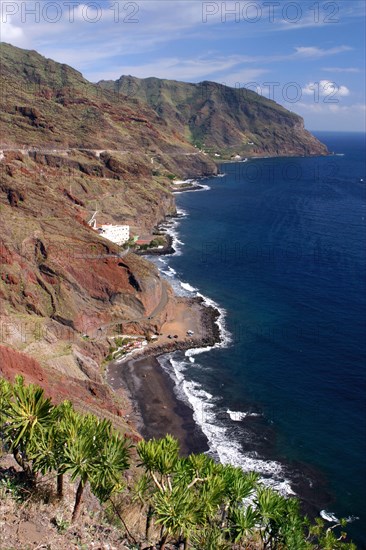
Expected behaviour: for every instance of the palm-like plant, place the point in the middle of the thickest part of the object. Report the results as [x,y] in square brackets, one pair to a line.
[46,454]
[81,447]
[93,452]
[159,458]
[210,494]
[192,499]
[176,513]
[243,522]
[325,539]
[291,531]
[142,491]
[48,451]
[210,537]
[27,416]
[272,509]
[239,485]
[112,459]
[5,396]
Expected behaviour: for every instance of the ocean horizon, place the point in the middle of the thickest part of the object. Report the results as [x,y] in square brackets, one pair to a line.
[277,244]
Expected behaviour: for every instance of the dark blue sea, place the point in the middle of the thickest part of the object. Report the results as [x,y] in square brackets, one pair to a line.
[279,246]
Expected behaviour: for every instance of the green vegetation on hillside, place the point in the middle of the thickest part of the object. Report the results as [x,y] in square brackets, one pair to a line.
[221,119]
[187,502]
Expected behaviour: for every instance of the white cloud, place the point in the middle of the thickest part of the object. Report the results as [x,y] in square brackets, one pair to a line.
[315,52]
[341,70]
[326,88]
[334,117]
[323,108]
[186,69]
[242,77]
[12,34]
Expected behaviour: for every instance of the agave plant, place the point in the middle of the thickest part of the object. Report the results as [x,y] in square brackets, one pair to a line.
[272,509]
[159,458]
[243,522]
[112,459]
[81,447]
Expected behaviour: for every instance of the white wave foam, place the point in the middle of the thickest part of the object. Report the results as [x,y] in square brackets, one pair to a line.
[196,351]
[172,229]
[237,416]
[181,213]
[225,336]
[282,487]
[182,288]
[329,516]
[188,287]
[351,519]
[221,443]
[200,187]
[169,272]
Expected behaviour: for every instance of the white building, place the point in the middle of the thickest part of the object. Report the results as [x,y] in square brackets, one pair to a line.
[118,234]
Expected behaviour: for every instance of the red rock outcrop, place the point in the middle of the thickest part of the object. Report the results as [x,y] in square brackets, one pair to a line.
[86,395]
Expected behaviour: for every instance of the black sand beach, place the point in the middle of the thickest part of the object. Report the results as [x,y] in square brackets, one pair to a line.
[156,409]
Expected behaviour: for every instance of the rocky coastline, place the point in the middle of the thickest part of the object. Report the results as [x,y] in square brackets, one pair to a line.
[154,409]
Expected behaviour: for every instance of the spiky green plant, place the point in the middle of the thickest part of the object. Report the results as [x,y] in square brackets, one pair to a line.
[93,452]
[27,416]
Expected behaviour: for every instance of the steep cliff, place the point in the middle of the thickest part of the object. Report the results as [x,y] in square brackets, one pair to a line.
[48,104]
[223,119]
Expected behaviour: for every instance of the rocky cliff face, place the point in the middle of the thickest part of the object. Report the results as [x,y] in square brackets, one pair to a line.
[50,105]
[62,287]
[86,394]
[222,119]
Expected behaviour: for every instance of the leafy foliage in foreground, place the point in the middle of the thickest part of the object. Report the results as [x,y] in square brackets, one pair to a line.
[47,438]
[190,502]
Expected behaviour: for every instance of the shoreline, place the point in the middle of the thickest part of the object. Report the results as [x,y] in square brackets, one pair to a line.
[182,188]
[155,409]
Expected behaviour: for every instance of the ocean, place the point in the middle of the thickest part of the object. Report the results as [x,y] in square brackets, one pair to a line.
[279,246]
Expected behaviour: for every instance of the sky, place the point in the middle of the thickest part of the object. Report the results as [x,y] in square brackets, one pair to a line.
[307,55]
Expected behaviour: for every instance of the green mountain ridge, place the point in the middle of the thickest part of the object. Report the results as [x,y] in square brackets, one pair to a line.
[222,119]
[38,95]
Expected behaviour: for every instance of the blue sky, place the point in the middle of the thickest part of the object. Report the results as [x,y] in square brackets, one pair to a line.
[307,55]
